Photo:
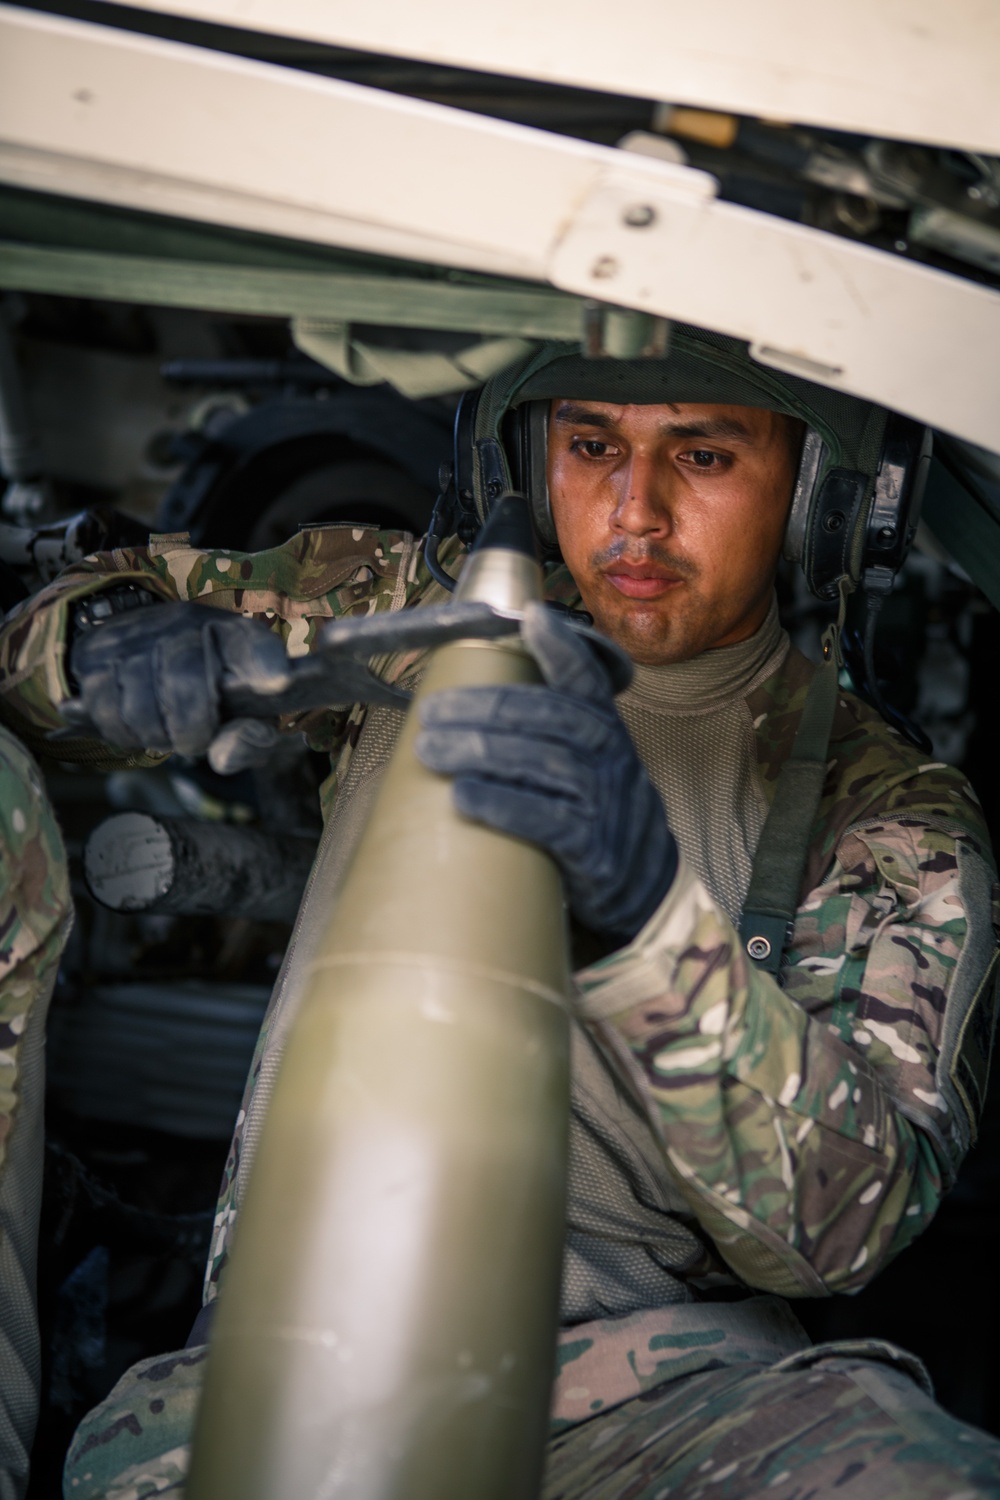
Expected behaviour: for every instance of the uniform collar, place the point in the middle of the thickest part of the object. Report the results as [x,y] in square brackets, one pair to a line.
[715,677]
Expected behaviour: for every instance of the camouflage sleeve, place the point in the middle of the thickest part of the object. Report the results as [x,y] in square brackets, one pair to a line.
[813,1127]
[33,639]
[320,574]
[35,910]
[35,914]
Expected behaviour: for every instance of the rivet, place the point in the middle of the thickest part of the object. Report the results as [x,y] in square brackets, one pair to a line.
[640,215]
[604,268]
[759,948]
[834,521]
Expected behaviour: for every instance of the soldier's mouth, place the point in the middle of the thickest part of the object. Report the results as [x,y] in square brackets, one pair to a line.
[643,581]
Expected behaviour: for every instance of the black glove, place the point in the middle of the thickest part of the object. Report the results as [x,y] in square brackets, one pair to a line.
[186,677]
[159,678]
[555,765]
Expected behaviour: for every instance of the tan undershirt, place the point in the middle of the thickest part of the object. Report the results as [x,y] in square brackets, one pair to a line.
[692,728]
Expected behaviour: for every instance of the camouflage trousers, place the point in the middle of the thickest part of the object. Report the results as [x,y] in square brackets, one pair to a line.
[847,1421]
[825,1422]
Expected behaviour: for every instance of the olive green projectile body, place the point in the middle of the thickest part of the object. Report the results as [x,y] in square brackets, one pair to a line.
[386,1327]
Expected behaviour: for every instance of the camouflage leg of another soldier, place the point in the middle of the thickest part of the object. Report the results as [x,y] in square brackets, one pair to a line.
[137,1442]
[828,1423]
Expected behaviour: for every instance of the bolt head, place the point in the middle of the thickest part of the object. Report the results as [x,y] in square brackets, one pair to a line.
[604,268]
[640,215]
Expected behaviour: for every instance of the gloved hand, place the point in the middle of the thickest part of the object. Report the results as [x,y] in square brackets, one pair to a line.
[163,677]
[555,765]
[187,677]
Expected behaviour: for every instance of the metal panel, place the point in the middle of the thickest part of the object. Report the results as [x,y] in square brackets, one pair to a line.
[826,308]
[106,114]
[91,112]
[912,69]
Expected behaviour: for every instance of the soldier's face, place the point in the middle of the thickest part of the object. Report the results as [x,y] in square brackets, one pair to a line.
[670,518]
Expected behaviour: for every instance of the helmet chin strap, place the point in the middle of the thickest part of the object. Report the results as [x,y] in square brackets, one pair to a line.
[773,896]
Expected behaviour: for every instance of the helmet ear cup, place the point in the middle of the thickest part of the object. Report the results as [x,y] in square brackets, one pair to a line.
[823,519]
[526,434]
[843,522]
[812,462]
[828,554]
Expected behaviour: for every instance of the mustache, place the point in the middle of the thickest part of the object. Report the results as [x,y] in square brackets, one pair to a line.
[638,552]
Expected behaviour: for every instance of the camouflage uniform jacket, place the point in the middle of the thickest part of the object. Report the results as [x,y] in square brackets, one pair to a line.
[790,1137]
[35,915]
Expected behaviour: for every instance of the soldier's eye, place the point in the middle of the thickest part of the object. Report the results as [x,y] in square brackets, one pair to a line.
[705,458]
[592,447]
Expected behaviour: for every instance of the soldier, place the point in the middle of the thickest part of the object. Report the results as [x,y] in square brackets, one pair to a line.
[35,916]
[758,1112]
